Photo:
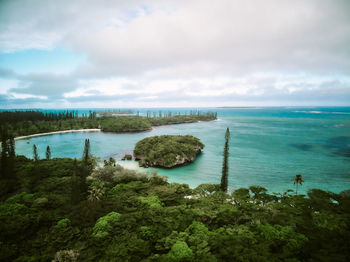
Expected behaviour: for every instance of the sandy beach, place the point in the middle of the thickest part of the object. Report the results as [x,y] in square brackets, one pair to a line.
[59,132]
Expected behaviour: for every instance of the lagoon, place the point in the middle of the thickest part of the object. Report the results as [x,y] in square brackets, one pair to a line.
[268,147]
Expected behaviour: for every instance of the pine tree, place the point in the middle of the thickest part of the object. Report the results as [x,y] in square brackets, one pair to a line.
[224,177]
[48,153]
[86,153]
[75,185]
[35,153]
[85,169]
[11,158]
[7,170]
[4,154]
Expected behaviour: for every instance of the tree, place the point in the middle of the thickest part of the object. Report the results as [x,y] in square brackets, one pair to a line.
[7,154]
[180,251]
[11,156]
[224,177]
[86,153]
[48,153]
[96,191]
[298,179]
[75,185]
[110,162]
[35,153]
[86,167]
[4,154]
[7,169]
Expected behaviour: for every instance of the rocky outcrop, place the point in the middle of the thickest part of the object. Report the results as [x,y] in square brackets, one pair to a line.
[167,151]
[127,157]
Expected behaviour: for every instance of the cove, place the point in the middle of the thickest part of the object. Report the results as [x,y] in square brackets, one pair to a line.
[268,147]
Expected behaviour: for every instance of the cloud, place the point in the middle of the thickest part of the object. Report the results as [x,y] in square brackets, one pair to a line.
[197,52]
[7,73]
[230,35]
[49,85]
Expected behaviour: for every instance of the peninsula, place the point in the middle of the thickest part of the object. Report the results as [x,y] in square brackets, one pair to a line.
[21,124]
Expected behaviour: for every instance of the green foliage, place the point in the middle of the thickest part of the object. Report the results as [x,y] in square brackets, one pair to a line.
[178,119]
[21,198]
[31,122]
[117,174]
[96,191]
[109,162]
[206,189]
[167,151]
[241,196]
[40,202]
[8,178]
[125,124]
[282,239]
[180,251]
[35,153]
[66,256]
[86,154]
[224,176]
[48,153]
[152,201]
[63,223]
[145,218]
[298,179]
[105,224]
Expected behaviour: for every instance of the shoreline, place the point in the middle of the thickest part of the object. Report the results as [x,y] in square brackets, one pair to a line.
[58,132]
[99,130]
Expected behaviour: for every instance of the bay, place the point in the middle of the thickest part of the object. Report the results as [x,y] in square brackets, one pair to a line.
[268,147]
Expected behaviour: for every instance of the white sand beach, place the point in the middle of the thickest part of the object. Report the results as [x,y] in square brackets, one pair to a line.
[59,132]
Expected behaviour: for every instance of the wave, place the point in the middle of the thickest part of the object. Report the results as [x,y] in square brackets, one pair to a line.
[321,112]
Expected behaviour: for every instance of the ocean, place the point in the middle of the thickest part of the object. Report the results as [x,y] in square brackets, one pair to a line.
[268,147]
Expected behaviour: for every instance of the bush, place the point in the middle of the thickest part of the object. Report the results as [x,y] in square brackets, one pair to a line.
[105,224]
[66,256]
[118,174]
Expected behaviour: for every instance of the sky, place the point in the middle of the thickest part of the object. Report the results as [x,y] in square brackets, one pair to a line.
[111,53]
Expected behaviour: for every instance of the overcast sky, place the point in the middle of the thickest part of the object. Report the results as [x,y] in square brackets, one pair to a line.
[164,53]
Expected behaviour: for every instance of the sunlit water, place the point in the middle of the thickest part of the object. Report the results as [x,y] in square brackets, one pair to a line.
[268,147]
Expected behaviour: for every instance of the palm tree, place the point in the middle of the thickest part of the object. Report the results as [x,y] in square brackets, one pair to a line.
[96,192]
[298,179]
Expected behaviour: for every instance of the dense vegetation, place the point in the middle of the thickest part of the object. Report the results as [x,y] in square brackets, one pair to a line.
[24,123]
[65,209]
[167,151]
[126,216]
[179,119]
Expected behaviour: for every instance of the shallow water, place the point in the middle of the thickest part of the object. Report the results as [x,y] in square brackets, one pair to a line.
[268,147]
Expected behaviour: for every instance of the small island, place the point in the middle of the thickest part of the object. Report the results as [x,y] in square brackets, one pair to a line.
[167,151]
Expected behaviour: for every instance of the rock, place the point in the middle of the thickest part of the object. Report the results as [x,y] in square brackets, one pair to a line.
[127,157]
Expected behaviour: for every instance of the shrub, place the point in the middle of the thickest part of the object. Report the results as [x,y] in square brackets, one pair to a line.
[66,256]
[105,224]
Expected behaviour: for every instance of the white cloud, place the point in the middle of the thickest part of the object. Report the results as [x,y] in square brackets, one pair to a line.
[197,52]
[24,96]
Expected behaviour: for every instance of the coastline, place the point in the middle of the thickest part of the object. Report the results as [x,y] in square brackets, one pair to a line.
[58,132]
[99,130]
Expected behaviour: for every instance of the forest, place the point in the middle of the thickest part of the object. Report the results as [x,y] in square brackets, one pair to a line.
[75,210]
[22,123]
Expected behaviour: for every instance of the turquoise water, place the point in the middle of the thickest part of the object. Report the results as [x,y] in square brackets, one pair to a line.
[268,147]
